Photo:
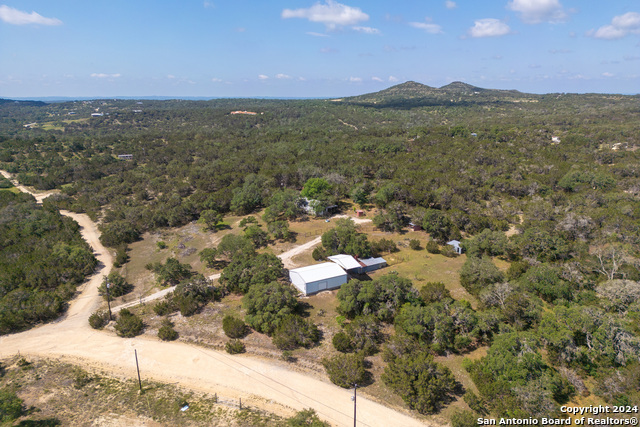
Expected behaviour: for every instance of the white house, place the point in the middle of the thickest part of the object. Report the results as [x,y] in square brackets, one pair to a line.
[317,278]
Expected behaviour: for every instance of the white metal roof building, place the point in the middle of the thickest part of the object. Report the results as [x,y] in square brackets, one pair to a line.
[358,266]
[319,277]
[371,264]
[345,261]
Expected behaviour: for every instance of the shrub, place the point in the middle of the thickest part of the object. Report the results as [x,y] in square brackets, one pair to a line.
[267,304]
[118,286]
[166,331]
[424,392]
[381,297]
[188,305]
[234,347]
[414,244]
[294,332]
[121,256]
[448,251]
[306,418]
[98,319]
[161,245]
[342,342]
[477,273]
[364,333]
[248,220]
[10,406]
[171,272]
[385,245]
[233,328]
[244,272]
[434,292]
[128,324]
[318,254]
[81,378]
[474,402]
[256,235]
[463,418]
[345,370]
[433,247]
[163,308]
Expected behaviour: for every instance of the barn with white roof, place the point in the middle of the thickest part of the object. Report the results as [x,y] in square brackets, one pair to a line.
[353,265]
[317,278]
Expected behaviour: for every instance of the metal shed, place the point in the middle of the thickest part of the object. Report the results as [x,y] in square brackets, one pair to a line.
[456,246]
[317,278]
[347,262]
[371,264]
[355,265]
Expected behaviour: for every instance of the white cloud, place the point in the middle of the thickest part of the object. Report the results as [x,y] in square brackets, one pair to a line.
[607,74]
[489,27]
[427,26]
[620,26]
[537,11]
[366,30]
[393,79]
[106,76]
[332,14]
[355,79]
[171,76]
[450,4]
[311,33]
[628,21]
[328,50]
[208,5]
[282,76]
[18,17]
[262,77]
[376,79]
[216,80]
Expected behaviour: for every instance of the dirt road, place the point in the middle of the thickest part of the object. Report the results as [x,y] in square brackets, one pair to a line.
[259,383]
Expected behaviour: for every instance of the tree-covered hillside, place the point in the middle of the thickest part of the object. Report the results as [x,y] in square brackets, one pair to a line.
[559,172]
[42,260]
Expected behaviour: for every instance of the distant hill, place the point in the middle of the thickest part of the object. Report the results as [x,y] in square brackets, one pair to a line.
[25,103]
[413,94]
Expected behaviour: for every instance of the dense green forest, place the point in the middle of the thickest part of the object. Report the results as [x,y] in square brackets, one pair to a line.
[42,260]
[463,162]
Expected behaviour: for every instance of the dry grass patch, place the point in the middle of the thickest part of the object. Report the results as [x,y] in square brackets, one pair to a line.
[73,396]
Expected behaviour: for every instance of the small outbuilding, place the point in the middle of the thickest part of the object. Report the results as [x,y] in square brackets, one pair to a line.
[456,246]
[415,227]
[347,262]
[359,213]
[354,265]
[371,264]
[317,278]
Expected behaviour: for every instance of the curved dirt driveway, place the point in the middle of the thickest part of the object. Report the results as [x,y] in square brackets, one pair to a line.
[259,383]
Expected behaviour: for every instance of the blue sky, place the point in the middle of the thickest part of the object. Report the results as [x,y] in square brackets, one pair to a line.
[306,48]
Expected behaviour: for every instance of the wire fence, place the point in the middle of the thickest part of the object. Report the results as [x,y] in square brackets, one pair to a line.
[316,232]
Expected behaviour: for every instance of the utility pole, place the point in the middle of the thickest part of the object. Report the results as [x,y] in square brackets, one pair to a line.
[354,398]
[107,285]
[138,368]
